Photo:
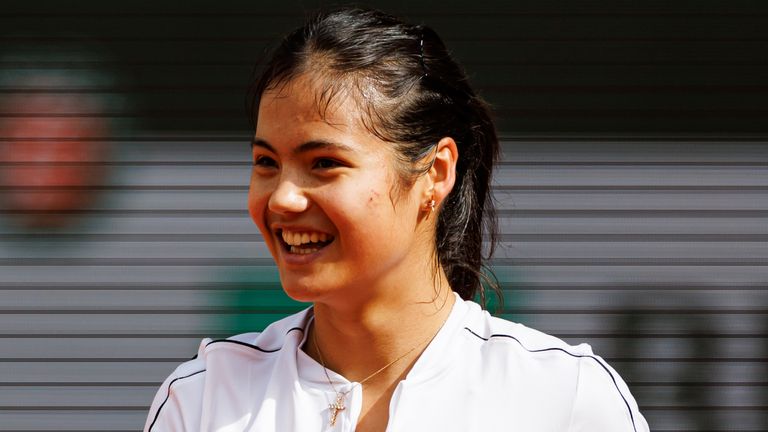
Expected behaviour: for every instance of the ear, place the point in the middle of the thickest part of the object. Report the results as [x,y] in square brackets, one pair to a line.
[442,175]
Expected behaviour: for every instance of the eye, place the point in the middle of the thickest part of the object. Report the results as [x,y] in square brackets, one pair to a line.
[265,161]
[326,163]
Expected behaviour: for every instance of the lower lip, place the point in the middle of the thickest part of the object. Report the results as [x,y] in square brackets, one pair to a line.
[301,259]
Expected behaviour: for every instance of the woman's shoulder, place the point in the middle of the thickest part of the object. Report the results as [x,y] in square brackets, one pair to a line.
[546,358]
[181,398]
[544,365]
[491,331]
[177,403]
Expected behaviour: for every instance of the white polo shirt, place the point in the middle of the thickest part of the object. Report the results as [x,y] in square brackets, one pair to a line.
[479,373]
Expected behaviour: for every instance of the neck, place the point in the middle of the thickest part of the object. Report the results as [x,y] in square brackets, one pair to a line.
[356,342]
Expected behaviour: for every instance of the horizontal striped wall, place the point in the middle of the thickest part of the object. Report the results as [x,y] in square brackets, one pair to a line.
[654,252]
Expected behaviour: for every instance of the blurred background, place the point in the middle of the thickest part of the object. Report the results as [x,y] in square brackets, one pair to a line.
[633,194]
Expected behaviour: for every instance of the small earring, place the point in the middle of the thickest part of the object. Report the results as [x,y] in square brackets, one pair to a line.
[431,205]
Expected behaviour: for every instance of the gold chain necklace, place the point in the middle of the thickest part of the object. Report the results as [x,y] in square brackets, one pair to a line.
[338,405]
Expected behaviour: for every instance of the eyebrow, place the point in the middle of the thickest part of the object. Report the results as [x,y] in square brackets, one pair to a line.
[305,147]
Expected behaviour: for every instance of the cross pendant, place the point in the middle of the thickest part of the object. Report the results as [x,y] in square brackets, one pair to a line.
[336,407]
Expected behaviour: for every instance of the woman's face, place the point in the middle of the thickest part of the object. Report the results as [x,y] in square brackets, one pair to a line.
[323,195]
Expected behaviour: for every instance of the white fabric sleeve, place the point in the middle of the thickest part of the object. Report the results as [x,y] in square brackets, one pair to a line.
[603,402]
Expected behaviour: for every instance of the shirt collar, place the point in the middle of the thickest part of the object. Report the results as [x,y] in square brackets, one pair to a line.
[437,356]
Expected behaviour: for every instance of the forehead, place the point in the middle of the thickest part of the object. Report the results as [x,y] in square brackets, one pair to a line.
[300,113]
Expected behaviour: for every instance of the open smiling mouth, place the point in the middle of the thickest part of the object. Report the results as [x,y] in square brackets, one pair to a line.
[303,242]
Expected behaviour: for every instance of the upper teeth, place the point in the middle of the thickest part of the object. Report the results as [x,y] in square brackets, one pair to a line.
[295,238]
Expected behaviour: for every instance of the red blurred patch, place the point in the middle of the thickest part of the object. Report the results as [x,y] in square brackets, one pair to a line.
[52,157]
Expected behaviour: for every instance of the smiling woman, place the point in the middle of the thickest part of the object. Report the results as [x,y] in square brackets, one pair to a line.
[372,161]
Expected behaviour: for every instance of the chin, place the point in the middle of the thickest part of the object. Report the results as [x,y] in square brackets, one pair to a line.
[299,295]
[302,289]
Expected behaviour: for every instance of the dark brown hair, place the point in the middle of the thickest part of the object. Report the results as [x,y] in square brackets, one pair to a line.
[414,94]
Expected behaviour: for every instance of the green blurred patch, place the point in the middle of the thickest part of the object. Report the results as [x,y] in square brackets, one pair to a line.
[256,299]
[505,307]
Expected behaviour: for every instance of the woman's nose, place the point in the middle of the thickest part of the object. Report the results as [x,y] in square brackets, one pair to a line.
[288,197]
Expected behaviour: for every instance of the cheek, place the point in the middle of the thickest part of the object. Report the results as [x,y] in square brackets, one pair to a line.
[257,202]
[373,199]
[362,210]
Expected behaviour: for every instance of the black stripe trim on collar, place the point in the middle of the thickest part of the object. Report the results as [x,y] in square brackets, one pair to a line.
[605,368]
[253,346]
[157,414]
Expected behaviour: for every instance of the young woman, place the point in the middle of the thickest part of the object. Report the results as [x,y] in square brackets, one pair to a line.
[372,162]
